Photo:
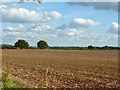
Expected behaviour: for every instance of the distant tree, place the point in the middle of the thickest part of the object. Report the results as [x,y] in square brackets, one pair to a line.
[90,47]
[42,44]
[31,48]
[8,47]
[22,44]
[105,47]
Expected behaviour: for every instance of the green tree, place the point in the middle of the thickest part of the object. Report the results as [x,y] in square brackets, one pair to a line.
[42,44]
[105,47]
[22,44]
[90,47]
[8,47]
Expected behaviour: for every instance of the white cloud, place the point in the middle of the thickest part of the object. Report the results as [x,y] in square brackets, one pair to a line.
[56,36]
[80,22]
[11,32]
[113,28]
[15,5]
[3,6]
[18,28]
[22,15]
[74,32]
[14,33]
[41,27]
[53,15]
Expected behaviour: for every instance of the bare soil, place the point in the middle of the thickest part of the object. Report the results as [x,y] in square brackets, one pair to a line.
[63,68]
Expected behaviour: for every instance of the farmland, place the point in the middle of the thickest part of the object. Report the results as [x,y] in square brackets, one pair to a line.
[63,68]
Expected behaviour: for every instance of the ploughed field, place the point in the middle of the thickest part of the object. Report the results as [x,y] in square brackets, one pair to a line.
[63,68]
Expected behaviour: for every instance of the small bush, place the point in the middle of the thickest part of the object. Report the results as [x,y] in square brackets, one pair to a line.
[5,79]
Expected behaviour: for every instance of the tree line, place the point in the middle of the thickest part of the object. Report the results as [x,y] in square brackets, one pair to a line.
[22,44]
[86,48]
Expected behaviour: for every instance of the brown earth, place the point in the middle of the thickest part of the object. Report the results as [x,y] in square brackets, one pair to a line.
[63,68]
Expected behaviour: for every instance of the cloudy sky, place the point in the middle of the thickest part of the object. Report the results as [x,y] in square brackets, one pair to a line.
[60,23]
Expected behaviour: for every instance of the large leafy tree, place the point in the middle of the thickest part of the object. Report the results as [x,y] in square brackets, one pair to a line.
[22,44]
[42,44]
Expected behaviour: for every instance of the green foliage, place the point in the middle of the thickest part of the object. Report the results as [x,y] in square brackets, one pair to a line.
[42,44]
[8,47]
[103,48]
[9,84]
[31,48]
[86,48]
[5,79]
[22,44]
[90,47]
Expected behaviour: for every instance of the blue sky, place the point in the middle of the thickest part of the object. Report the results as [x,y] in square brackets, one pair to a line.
[60,23]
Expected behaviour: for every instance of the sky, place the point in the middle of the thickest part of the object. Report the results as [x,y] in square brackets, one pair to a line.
[60,23]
